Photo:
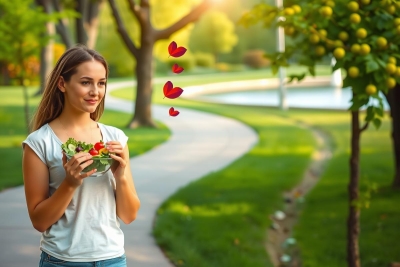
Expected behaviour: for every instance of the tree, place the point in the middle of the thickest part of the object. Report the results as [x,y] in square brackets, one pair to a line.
[21,32]
[214,33]
[363,37]
[143,53]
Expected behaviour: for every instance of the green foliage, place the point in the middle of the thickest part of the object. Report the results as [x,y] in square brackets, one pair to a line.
[187,62]
[22,29]
[362,36]
[204,59]
[214,33]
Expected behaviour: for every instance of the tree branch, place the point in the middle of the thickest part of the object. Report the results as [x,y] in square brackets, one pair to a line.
[190,17]
[61,28]
[365,127]
[122,31]
[137,11]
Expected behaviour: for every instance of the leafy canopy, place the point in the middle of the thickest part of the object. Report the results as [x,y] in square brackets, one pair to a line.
[362,35]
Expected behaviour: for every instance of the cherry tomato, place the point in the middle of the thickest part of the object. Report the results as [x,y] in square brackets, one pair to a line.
[93,152]
[99,145]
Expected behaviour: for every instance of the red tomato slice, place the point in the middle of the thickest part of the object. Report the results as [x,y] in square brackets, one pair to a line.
[93,152]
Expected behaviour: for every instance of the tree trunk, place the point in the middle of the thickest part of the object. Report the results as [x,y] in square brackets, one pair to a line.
[393,98]
[4,75]
[26,103]
[144,88]
[353,220]
[92,22]
[81,36]
[61,28]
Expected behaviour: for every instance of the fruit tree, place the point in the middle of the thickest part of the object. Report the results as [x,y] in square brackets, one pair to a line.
[362,36]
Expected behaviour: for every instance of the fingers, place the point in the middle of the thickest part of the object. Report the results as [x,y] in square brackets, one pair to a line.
[77,164]
[121,161]
[115,147]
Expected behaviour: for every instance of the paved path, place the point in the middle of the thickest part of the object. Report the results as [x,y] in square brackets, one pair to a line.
[200,143]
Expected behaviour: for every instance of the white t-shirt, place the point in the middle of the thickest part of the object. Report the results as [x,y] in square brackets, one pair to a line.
[89,230]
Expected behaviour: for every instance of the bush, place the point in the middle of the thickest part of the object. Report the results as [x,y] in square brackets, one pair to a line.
[204,60]
[255,59]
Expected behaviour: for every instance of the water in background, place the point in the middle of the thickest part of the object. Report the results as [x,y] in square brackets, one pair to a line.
[318,97]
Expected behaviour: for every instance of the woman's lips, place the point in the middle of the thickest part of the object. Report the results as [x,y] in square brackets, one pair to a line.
[91,101]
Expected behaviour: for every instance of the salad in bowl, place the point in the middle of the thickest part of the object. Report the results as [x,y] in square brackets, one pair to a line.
[100,155]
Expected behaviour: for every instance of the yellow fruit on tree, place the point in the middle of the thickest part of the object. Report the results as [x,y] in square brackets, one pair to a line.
[323,32]
[398,29]
[330,3]
[320,50]
[289,30]
[353,72]
[391,68]
[361,33]
[353,6]
[396,21]
[296,8]
[390,82]
[344,36]
[397,73]
[355,18]
[314,38]
[392,60]
[391,9]
[339,53]
[370,89]
[338,43]
[365,49]
[288,11]
[381,42]
[326,11]
[365,2]
[355,48]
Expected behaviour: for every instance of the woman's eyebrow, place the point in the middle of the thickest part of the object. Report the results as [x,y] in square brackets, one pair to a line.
[89,78]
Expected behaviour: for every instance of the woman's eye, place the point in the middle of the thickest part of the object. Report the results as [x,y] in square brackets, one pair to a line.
[102,83]
[85,83]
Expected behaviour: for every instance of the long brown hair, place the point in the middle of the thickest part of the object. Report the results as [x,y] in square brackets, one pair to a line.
[52,102]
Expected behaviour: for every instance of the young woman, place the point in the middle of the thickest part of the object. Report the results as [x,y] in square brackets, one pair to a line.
[77,214]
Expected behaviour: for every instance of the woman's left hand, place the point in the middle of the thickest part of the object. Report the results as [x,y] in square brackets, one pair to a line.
[117,153]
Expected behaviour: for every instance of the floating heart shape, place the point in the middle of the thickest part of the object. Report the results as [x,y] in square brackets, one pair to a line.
[175,51]
[177,69]
[170,91]
[173,112]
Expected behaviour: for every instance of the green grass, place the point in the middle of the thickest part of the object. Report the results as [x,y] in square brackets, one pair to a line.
[199,224]
[13,132]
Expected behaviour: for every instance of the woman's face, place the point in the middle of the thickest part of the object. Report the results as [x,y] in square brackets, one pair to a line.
[86,88]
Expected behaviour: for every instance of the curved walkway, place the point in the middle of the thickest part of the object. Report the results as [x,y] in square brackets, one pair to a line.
[200,143]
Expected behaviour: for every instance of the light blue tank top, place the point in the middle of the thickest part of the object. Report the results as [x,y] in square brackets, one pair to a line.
[89,230]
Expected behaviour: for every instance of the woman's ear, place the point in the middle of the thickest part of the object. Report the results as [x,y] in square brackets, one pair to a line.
[61,84]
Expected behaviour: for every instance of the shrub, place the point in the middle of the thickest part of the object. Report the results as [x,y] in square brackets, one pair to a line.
[187,62]
[204,60]
[255,59]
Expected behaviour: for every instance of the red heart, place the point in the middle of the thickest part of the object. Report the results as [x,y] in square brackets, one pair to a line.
[177,69]
[173,112]
[175,51]
[170,91]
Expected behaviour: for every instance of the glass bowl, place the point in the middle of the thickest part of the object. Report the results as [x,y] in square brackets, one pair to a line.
[101,164]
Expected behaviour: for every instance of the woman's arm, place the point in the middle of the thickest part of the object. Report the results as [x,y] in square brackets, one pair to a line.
[43,210]
[127,200]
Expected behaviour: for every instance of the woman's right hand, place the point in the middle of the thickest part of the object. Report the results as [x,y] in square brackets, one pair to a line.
[74,167]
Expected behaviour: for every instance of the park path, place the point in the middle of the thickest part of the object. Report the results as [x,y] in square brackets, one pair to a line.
[200,143]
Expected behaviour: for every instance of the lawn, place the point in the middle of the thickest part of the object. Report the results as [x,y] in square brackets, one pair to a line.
[13,132]
[221,219]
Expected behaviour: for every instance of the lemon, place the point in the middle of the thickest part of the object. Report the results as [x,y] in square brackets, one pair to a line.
[330,3]
[365,2]
[397,73]
[288,11]
[314,38]
[289,30]
[326,11]
[370,89]
[296,8]
[353,72]
[320,50]
[381,42]
[396,21]
[355,18]
[391,68]
[344,36]
[365,49]
[323,32]
[391,9]
[353,6]
[390,82]
[361,33]
[392,60]
[339,53]
[355,48]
